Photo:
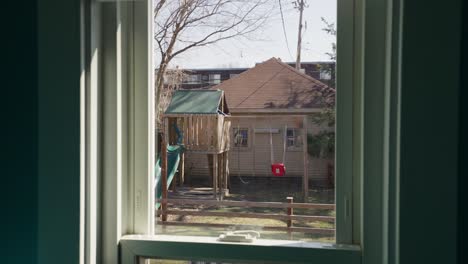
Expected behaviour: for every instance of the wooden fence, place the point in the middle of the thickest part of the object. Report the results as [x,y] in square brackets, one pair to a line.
[288,216]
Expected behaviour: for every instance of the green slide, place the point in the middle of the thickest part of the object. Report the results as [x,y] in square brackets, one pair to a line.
[173,158]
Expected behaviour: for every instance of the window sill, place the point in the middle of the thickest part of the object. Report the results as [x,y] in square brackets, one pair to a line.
[208,248]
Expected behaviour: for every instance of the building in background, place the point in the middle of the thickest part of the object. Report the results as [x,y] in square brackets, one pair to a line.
[272,106]
[205,78]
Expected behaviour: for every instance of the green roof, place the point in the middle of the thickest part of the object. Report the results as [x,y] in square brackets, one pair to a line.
[195,102]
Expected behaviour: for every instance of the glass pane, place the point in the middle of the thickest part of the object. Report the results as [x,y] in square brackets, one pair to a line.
[246,141]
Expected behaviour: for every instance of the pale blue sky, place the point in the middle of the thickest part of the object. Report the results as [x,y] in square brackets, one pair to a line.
[271,43]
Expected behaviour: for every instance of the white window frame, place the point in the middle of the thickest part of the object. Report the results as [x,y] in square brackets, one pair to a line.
[234,135]
[117,126]
[297,132]
[127,196]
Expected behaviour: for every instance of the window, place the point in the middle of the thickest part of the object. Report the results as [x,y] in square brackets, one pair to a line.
[193,79]
[137,217]
[294,138]
[241,137]
[232,75]
[275,97]
[325,74]
[215,78]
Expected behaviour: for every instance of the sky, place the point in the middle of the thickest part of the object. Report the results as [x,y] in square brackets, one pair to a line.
[269,41]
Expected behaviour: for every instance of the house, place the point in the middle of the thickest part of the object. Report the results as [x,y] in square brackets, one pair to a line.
[202,78]
[273,96]
[208,77]
[423,221]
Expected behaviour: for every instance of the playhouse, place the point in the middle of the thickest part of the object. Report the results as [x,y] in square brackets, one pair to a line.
[195,121]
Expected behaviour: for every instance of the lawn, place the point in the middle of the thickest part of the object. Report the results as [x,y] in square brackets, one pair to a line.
[263,191]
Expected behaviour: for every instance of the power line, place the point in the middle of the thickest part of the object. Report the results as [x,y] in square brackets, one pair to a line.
[284,29]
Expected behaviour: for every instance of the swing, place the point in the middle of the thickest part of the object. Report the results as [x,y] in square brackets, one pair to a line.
[278,169]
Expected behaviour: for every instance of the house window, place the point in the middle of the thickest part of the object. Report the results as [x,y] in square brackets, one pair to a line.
[232,75]
[193,79]
[325,74]
[215,78]
[241,137]
[293,138]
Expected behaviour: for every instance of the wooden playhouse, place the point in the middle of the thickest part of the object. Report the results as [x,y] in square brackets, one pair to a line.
[198,121]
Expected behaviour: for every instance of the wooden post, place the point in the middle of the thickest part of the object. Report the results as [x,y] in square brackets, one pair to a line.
[226,178]
[209,158]
[221,175]
[305,181]
[214,125]
[225,173]
[182,169]
[222,101]
[215,176]
[164,171]
[299,35]
[290,210]
[253,151]
[171,135]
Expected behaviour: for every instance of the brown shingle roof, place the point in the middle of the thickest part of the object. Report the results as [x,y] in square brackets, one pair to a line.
[275,85]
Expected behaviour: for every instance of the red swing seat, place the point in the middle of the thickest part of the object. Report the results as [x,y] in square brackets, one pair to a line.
[278,169]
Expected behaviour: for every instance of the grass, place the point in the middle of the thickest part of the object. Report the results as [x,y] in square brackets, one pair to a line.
[272,191]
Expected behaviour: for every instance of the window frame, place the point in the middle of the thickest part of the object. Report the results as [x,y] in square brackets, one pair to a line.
[297,132]
[248,138]
[133,247]
[131,119]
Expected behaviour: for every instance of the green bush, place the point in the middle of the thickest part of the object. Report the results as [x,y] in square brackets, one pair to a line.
[321,145]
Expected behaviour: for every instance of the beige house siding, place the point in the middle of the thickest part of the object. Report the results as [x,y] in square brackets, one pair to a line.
[254,160]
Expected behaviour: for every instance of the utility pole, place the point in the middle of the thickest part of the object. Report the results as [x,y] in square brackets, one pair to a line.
[299,5]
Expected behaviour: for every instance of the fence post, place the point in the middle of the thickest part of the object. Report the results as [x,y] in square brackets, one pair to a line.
[290,210]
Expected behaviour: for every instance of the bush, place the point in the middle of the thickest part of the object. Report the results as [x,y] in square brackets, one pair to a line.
[321,145]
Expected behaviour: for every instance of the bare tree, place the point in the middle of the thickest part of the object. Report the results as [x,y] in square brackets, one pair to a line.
[173,78]
[182,25]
